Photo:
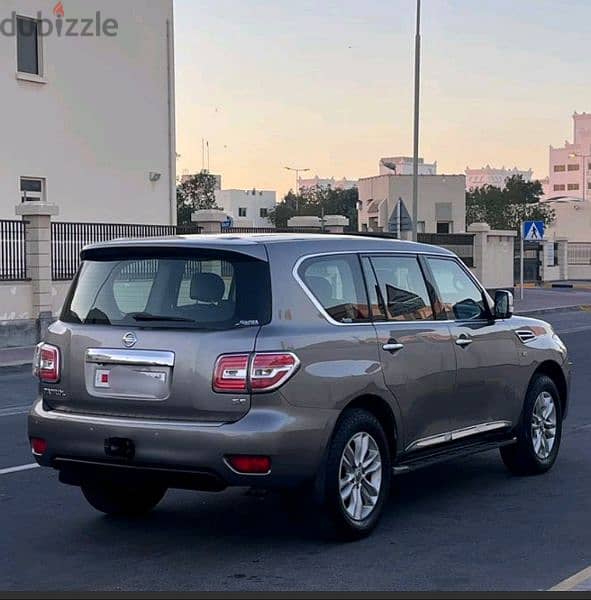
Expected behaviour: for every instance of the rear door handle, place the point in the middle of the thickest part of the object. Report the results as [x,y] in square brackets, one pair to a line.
[464,341]
[392,347]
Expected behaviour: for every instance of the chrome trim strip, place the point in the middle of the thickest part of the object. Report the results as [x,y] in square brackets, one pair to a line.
[39,411]
[457,434]
[146,358]
[321,309]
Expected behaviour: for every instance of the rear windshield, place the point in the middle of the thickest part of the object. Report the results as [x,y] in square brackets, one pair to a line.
[222,290]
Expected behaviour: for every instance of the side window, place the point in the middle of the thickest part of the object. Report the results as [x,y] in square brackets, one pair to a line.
[402,287]
[462,298]
[337,283]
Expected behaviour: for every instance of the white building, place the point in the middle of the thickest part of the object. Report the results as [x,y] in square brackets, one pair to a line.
[570,165]
[403,165]
[386,200]
[248,208]
[326,183]
[89,120]
[476,178]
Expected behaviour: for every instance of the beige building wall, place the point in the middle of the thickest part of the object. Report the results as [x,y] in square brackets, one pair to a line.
[573,221]
[442,198]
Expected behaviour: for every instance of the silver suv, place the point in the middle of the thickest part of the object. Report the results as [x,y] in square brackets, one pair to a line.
[318,362]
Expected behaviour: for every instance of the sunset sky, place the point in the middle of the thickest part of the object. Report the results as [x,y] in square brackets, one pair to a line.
[328,85]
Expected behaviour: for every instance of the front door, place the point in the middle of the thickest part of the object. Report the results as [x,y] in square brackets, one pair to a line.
[416,351]
[485,348]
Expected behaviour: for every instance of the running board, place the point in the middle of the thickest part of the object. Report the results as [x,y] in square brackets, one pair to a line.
[414,462]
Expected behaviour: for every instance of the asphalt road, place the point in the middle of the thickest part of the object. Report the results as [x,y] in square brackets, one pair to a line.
[464,525]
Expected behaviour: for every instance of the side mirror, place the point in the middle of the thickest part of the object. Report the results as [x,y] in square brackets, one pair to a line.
[503,304]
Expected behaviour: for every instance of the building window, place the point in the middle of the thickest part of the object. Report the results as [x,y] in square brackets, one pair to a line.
[573,187]
[264,213]
[28,46]
[242,212]
[559,168]
[32,189]
[559,187]
[421,227]
[443,227]
[574,167]
[589,185]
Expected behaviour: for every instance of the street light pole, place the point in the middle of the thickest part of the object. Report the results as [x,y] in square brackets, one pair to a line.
[297,177]
[415,163]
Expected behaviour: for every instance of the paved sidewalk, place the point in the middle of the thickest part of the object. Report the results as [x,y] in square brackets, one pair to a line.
[542,300]
[14,357]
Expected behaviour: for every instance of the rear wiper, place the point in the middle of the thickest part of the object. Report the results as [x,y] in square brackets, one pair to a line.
[149,317]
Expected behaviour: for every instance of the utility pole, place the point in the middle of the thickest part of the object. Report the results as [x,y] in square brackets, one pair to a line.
[415,165]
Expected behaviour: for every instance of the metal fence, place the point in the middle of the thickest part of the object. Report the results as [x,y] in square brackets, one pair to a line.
[461,244]
[13,257]
[579,253]
[67,239]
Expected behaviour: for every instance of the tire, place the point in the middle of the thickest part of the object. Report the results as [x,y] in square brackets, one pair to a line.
[122,500]
[536,450]
[355,516]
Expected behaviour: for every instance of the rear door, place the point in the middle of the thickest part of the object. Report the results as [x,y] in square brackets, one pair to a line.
[416,350]
[486,350]
[140,335]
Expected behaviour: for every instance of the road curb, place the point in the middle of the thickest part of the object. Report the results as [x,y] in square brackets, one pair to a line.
[553,309]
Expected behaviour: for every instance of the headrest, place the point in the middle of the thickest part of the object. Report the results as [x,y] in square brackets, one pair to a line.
[207,287]
[321,288]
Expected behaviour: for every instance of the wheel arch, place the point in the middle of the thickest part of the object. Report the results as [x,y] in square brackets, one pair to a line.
[553,370]
[383,412]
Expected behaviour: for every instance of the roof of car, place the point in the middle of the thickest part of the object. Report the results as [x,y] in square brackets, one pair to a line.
[312,242]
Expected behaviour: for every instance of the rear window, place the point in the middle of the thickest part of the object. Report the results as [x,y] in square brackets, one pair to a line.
[221,290]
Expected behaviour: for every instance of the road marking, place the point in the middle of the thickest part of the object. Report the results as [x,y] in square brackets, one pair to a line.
[18,469]
[571,582]
[10,411]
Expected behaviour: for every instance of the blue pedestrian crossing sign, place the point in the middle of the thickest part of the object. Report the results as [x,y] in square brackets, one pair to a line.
[533,231]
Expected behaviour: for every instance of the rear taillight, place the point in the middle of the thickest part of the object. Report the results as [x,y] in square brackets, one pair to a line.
[263,372]
[269,371]
[231,373]
[46,363]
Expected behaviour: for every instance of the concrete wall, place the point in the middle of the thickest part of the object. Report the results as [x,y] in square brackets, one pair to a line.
[18,326]
[101,118]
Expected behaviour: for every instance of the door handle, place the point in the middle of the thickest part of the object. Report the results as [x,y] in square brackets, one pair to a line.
[392,347]
[464,341]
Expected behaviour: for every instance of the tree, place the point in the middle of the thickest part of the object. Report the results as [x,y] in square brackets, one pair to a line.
[195,193]
[316,202]
[506,208]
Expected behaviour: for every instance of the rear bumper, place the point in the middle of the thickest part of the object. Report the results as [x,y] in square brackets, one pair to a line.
[294,439]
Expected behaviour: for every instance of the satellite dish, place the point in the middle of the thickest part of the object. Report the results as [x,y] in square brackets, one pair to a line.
[389,165]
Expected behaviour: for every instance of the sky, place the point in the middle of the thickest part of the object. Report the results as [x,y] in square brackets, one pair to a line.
[328,85]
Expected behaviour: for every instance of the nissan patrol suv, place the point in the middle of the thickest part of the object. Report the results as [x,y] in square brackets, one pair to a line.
[320,362]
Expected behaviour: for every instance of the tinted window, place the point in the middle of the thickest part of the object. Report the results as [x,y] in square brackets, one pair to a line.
[27,46]
[462,298]
[337,283]
[402,287]
[208,292]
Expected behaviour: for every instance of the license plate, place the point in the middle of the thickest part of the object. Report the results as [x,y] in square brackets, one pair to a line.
[157,375]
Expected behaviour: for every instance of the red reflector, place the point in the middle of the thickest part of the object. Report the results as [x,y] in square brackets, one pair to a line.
[270,370]
[250,464]
[38,446]
[230,373]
